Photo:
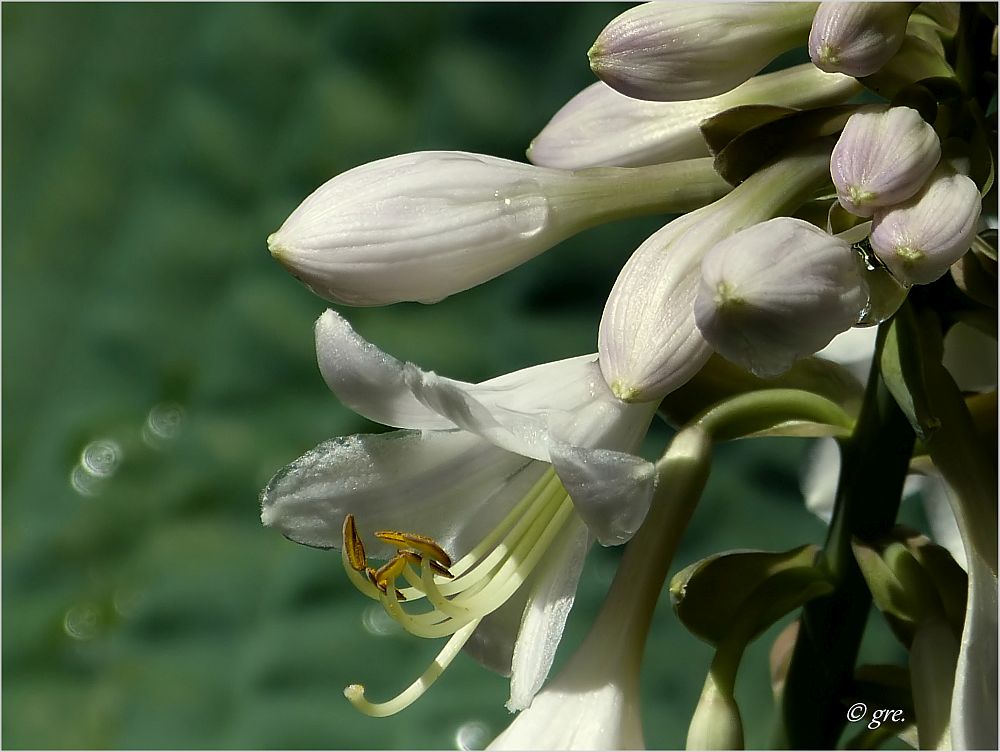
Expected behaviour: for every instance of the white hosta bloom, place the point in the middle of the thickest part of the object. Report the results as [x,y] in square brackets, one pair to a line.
[883,157]
[776,292]
[491,544]
[422,226]
[649,342]
[677,51]
[857,38]
[920,238]
[593,703]
[601,127]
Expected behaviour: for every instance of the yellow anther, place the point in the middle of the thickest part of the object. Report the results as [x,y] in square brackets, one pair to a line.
[353,546]
[389,571]
[419,543]
[441,570]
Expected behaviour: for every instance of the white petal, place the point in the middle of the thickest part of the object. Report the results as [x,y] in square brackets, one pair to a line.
[367,380]
[974,703]
[611,490]
[821,472]
[449,485]
[971,357]
[854,350]
[492,643]
[510,410]
[941,517]
[549,602]
[513,411]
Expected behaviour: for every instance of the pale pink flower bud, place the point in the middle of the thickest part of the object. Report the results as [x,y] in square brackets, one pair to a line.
[677,51]
[919,239]
[777,291]
[882,158]
[857,38]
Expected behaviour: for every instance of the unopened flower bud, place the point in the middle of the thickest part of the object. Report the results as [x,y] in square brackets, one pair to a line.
[777,291]
[426,225]
[601,127]
[679,51]
[882,158]
[648,342]
[716,723]
[857,38]
[919,239]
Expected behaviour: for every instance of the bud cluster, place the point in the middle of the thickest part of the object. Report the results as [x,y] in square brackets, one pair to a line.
[887,166]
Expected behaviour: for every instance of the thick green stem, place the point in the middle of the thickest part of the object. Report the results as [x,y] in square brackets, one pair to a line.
[874,466]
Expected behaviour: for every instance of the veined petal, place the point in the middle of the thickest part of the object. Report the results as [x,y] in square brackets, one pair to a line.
[549,601]
[510,410]
[679,51]
[366,379]
[420,226]
[857,38]
[941,517]
[778,291]
[602,127]
[882,158]
[451,486]
[974,702]
[610,490]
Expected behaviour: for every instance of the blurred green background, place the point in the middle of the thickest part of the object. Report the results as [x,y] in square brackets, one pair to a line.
[159,368]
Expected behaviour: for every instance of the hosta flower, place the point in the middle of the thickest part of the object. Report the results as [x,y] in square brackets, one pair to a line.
[423,226]
[593,703]
[882,158]
[488,542]
[857,38]
[920,238]
[675,51]
[649,342]
[777,291]
[600,127]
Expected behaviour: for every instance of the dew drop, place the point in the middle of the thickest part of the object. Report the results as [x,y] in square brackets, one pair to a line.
[100,458]
[83,482]
[472,735]
[378,623]
[163,423]
[524,207]
[126,602]
[81,622]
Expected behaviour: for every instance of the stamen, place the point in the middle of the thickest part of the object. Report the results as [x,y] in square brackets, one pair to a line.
[355,693]
[353,545]
[420,543]
[459,595]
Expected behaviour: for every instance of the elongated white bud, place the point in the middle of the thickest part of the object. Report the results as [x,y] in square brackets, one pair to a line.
[426,225]
[919,239]
[676,51]
[857,38]
[777,291]
[882,158]
[649,343]
[601,127]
